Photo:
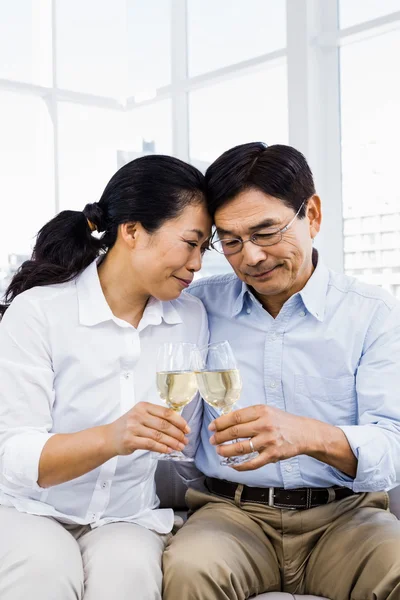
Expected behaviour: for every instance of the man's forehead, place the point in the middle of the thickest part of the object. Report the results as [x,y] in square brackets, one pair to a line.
[248,216]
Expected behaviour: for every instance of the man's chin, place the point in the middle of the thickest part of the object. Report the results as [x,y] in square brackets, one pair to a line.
[267,290]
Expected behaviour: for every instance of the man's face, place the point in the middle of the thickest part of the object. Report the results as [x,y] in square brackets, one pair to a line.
[278,270]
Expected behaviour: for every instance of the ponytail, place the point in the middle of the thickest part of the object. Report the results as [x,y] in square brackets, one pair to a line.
[150,190]
[64,247]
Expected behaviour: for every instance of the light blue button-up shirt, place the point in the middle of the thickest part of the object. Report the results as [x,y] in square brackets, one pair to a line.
[333,354]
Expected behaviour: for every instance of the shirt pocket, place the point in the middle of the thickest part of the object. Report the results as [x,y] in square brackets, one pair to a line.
[333,401]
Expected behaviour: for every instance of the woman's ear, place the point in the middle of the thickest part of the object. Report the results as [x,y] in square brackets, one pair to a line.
[128,232]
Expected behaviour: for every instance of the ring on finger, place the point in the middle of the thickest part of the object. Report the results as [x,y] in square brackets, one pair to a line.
[252,446]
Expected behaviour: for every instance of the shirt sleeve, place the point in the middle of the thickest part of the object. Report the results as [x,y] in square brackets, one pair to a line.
[26,393]
[375,441]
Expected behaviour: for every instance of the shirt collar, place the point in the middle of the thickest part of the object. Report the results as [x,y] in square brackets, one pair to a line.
[313,294]
[315,291]
[240,301]
[94,309]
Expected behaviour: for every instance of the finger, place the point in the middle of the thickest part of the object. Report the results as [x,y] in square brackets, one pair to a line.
[168,415]
[263,458]
[236,449]
[251,465]
[165,427]
[237,417]
[160,437]
[246,430]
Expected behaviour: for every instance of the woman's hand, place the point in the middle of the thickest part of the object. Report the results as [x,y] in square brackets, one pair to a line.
[66,456]
[148,427]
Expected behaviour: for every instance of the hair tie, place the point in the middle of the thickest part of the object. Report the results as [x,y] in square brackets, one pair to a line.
[92,226]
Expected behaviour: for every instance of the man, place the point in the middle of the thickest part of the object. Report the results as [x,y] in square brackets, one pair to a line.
[319,355]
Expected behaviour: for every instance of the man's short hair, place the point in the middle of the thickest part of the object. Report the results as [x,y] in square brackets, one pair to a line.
[279,171]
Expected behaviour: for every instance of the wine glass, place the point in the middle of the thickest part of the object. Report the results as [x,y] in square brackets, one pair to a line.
[220,384]
[176,382]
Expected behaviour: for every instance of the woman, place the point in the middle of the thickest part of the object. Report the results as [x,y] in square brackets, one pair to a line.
[79,411]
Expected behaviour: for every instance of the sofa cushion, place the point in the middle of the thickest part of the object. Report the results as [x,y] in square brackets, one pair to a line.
[284,596]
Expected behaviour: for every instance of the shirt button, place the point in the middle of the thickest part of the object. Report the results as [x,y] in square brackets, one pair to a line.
[274,337]
[302,313]
[126,375]
[104,484]
[288,468]
[248,311]
[272,384]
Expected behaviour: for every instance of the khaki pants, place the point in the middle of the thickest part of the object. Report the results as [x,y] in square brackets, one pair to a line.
[346,550]
[40,559]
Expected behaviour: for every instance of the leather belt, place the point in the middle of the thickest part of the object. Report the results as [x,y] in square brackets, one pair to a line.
[299,498]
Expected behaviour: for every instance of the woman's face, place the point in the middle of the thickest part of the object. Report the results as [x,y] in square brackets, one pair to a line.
[166,260]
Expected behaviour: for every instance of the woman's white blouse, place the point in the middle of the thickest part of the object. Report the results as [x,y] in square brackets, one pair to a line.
[68,364]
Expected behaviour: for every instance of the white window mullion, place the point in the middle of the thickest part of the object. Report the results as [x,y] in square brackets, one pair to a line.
[53,107]
[179,74]
[314,110]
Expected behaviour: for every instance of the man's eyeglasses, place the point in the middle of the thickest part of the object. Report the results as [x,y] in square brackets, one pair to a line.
[230,246]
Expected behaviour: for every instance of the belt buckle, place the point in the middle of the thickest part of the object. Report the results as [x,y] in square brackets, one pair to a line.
[271,496]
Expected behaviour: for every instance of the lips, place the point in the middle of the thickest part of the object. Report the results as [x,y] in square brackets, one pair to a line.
[259,275]
[185,282]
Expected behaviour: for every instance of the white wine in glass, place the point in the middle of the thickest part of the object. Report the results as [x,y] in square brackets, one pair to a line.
[220,389]
[220,384]
[177,388]
[176,382]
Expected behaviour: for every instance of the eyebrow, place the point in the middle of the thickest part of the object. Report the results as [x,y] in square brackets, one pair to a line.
[198,232]
[265,223]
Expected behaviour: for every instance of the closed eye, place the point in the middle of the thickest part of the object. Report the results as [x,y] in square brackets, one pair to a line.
[264,235]
[230,243]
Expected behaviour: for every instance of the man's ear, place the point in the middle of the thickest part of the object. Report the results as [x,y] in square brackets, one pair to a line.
[314,215]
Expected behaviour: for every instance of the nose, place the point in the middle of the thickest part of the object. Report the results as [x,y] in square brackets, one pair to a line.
[253,254]
[194,263]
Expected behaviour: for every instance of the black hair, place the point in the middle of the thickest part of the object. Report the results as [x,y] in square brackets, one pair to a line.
[150,190]
[279,171]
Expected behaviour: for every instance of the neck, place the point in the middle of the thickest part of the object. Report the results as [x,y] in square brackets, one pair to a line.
[273,304]
[123,294]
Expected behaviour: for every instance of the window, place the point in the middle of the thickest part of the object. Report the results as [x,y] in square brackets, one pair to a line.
[25,41]
[148,46]
[353,12]
[230,31]
[149,128]
[26,175]
[370,130]
[89,139]
[92,46]
[237,111]
[86,86]
[391,222]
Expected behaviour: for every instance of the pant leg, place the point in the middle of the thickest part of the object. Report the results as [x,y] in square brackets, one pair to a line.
[122,561]
[358,557]
[39,559]
[220,553]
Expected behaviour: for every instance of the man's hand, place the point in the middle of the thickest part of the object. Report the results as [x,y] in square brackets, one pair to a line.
[277,435]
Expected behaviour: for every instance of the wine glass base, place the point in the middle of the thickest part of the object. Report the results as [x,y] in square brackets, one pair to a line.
[245,458]
[232,461]
[227,462]
[177,456]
